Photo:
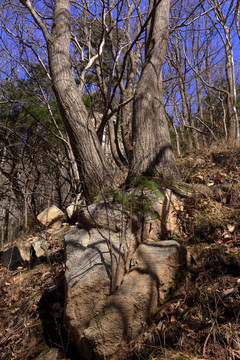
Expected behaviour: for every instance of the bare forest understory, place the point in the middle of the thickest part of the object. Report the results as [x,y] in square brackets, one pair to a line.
[199,319]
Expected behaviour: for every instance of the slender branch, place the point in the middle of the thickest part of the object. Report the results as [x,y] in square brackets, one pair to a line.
[36,17]
[183,23]
[207,127]
[200,76]
[193,128]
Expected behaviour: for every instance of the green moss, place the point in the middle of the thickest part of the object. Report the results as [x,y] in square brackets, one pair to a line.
[27,274]
[15,285]
[182,357]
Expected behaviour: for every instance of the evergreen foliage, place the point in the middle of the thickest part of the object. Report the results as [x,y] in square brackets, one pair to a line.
[140,199]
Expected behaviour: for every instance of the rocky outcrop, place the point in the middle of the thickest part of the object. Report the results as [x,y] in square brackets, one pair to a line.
[107,215]
[39,246]
[117,272]
[125,313]
[165,222]
[95,265]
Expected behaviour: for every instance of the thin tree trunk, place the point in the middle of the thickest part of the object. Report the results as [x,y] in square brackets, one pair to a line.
[75,178]
[233,129]
[188,110]
[232,97]
[116,153]
[126,111]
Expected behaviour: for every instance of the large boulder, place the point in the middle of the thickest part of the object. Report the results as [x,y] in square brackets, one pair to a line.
[51,216]
[95,265]
[12,258]
[157,219]
[126,311]
[108,215]
[117,272]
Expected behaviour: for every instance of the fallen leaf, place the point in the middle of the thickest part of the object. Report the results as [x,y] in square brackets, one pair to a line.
[228,292]
[231,228]
[211,183]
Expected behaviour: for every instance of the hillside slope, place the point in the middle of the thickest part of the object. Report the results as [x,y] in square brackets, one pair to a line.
[199,319]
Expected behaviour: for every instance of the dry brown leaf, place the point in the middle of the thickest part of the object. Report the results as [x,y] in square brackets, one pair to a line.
[231,228]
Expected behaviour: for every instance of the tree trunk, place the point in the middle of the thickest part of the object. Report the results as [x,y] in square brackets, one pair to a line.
[93,169]
[233,130]
[152,153]
[126,111]
[73,168]
[116,152]
[232,97]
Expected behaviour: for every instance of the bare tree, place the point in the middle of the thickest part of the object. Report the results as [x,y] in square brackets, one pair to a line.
[226,21]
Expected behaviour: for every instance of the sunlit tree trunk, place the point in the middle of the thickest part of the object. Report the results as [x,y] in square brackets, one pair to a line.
[152,153]
[232,96]
[94,172]
[225,34]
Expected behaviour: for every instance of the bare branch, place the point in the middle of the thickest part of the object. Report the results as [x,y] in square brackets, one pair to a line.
[36,17]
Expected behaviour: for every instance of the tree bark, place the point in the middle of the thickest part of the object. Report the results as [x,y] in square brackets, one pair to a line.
[152,153]
[232,96]
[93,169]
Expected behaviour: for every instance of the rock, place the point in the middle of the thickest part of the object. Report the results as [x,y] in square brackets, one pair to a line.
[117,271]
[72,212]
[58,234]
[24,249]
[113,216]
[12,258]
[107,215]
[51,216]
[167,210]
[76,241]
[199,162]
[127,310]
[165,221]
[39,246]
[73,209]
[51,354]
[91,272]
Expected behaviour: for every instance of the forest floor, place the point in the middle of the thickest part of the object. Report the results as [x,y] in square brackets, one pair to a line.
[199,320]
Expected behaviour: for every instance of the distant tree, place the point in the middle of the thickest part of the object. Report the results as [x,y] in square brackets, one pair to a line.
[225,20]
